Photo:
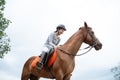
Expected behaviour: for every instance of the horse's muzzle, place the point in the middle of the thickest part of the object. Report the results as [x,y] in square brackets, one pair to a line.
[98,46]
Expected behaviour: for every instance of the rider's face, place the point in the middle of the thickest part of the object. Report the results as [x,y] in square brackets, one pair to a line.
[61,31]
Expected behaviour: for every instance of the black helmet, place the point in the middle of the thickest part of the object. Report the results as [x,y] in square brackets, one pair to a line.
[61,26]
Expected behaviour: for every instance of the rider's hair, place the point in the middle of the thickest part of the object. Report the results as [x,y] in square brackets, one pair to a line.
[57,30]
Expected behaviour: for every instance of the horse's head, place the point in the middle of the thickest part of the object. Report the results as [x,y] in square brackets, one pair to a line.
[90,38]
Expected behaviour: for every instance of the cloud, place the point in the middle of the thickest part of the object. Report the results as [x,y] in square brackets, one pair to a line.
[33,20]
[90,74]
[7,76]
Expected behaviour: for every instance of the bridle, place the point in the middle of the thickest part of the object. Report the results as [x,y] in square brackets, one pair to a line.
[94,42]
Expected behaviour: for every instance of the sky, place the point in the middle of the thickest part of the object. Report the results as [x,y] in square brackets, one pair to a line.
[33,20]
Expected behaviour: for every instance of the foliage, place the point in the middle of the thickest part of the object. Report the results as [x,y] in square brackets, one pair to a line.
[4,39]
[116,71]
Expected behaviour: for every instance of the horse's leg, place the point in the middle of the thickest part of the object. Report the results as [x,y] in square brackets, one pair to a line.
[59,75]
[67,77]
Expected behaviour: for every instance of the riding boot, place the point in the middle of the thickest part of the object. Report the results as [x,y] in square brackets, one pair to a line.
[42,60]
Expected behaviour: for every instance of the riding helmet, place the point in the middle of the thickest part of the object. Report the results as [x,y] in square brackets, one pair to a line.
[61,26]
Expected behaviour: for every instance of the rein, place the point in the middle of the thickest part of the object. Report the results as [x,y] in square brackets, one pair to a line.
[85,48]
[90,47]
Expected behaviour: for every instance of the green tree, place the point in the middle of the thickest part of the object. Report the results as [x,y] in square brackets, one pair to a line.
[116,72]
[4,39]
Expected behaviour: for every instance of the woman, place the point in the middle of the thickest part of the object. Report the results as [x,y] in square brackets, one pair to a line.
[52,41]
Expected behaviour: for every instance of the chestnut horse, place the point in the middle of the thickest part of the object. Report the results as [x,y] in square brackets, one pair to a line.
[65,60]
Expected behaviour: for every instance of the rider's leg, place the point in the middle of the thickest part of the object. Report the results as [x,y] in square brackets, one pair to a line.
[42,59]
[44,56]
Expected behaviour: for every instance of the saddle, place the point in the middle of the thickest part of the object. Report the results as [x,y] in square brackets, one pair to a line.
[49,61]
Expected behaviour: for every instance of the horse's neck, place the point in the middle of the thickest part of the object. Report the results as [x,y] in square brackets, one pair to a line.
[74,42]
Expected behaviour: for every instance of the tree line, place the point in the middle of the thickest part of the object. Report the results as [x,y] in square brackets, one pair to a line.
[4,39]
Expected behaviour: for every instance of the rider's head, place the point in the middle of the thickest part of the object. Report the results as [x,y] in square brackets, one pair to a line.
[61,26]
[60,29]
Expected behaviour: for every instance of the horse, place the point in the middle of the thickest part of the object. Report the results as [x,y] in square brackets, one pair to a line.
[65,59]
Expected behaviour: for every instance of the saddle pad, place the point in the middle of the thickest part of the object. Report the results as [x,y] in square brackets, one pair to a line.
[51,60]
[37,59]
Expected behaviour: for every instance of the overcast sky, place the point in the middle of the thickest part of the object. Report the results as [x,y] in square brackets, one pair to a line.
[33,20]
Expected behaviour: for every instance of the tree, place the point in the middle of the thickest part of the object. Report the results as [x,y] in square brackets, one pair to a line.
[116,71]
[4,39]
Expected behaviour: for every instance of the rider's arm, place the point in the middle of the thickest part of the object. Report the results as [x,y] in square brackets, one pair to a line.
[51,39]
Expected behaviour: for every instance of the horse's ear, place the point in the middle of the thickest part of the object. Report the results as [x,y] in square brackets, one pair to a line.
[85,24]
